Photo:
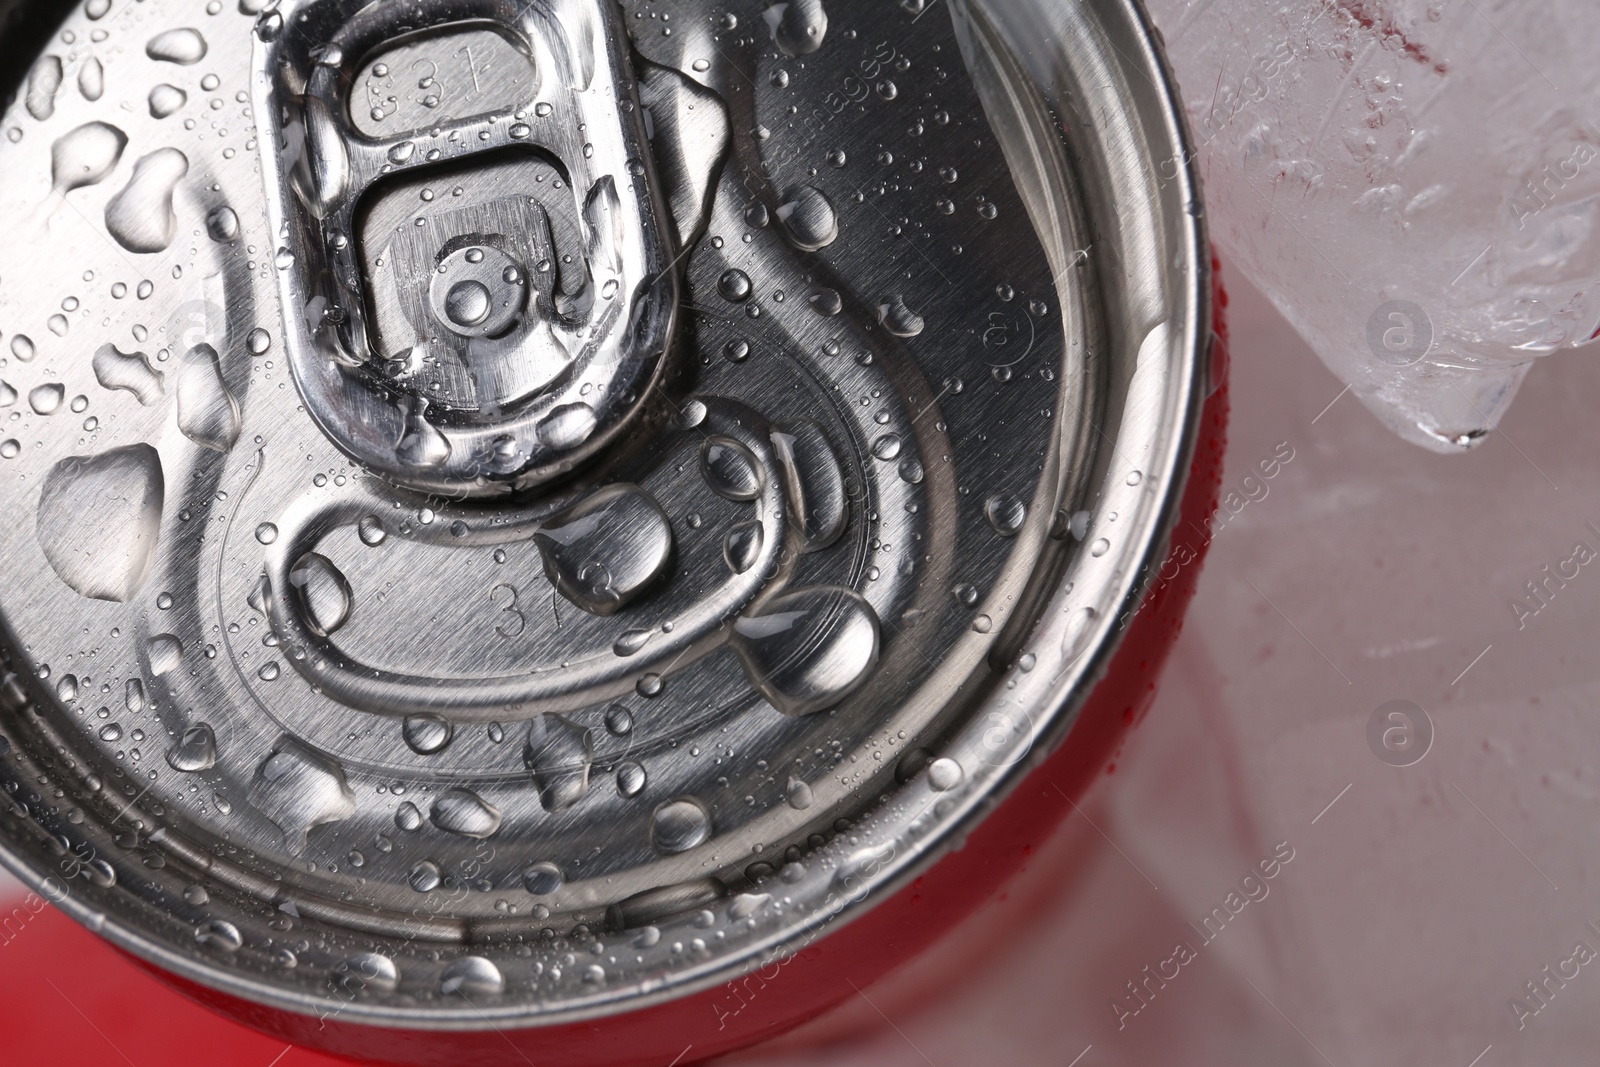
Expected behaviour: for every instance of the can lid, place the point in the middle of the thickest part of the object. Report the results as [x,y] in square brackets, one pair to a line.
[533,508]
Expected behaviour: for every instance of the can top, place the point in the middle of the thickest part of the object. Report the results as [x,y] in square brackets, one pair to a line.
[531,508]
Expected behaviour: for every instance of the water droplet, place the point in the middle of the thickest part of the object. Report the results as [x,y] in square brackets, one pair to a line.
[887,447]
[496,732]
[808,649]
[911,471]
[819,505]
[183,46]
[91,79]
[407,817]
[45,399]
[826,302]
[797,26]
[965,594]
[808,218]
[165,99]
[559,753]
[1006,513]
[370,530]
[742,547]
[367,971]
[299,789]
[607,550]
[619,720]
[731,469]
[98,520]
[323,593]
[222,224]
[679,825]
[568,426]
[631,642]
[402,151]
[195,750]
[1100,547]
[650,685]
[944,774]
[44,80]
[220,935]
[266,533]
[798,794]
[421,444]
[542,879]
[140,217]
[427,734]
[736,351]
[982,624]
[130,371]
[257,341]
[1076,637]
[463,812]
[86,155]
[111,732]
[163,652]
[899,319]
[473,978]
[269,672]
[631,779]
[425,877]
[22,348]
[1135,478]
[735,287]
[133,695]
[468,303]
[10,448]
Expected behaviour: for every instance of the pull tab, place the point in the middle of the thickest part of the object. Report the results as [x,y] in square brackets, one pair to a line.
[475,263]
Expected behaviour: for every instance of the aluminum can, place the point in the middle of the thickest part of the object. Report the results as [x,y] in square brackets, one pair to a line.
[580,532]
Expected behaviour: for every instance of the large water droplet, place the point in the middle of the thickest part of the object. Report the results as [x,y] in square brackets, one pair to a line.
[813,480]
[133,695]
[798,794]
[427,734]
[679,825]
[183,46]
[631,642]
[208,414]
[421,444]
[899,319]
[323,593]
[631,779]
[426,876]
[219,934]
[1076,636]
[222,223]
[473,978]
[367,971]
[299,789]
[46,399]
[408,817]
[165,99]
[43,82]
[140,217]
[1006,513]
[22,347]
[163,652]
[742,547]
[568,426]
[808,649]
[85,155]
[798,26]
[461,811]
[608,550]
[731,469]
[734,285]
[559,753]
[195,750]
[91,79]
[808,218]
[131,371]
[98,520]
[541,879]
